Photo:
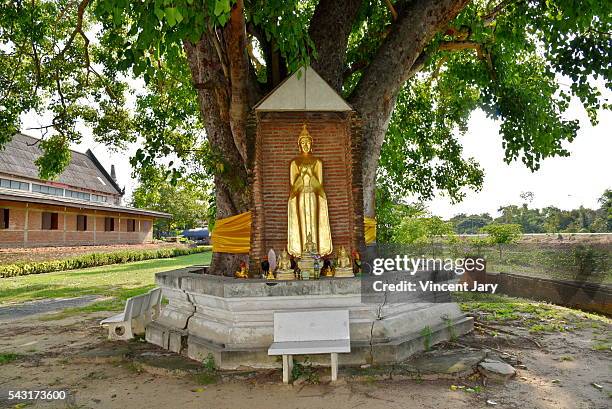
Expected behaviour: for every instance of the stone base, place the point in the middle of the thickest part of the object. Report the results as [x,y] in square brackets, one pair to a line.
[361,352]
[234,319]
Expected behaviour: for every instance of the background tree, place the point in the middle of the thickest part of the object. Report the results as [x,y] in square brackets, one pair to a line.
[418,229]
[471,224]
[413,69]
[187,200]
[606,209]
[502,234]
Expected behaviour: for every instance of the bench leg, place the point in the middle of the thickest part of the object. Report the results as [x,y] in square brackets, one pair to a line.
[290,365]
[120,331]
[285,369]
[334,366]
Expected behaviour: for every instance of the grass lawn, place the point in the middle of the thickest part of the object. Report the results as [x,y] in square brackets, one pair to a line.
[119,281]
[536,317]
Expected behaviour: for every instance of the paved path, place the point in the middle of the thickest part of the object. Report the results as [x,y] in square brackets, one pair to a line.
[16,311]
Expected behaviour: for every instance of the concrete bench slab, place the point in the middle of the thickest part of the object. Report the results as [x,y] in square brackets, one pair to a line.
[310,332]
[138,312]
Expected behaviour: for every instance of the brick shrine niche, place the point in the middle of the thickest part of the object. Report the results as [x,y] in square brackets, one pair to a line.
[335,128]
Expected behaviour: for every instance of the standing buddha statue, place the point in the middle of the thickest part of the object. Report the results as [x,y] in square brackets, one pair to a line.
[308,218]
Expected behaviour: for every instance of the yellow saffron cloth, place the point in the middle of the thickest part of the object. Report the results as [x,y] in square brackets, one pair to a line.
[369,228]
[233,234]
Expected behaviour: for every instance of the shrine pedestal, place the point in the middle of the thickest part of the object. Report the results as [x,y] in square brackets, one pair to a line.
[233,319]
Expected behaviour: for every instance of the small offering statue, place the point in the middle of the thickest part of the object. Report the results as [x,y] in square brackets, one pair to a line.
[284,272]
[345,266]
[243,272]
[284,263]
[327,270]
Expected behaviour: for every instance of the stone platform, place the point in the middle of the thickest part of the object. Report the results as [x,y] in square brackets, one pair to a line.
[233,319]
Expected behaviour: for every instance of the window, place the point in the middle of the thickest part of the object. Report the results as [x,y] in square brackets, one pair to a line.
[4,219]
[146,225]
[14,184]
[131,225]
[81,222]
[109,224]
[78,195]
[47,190]
[98,198]
[49,221]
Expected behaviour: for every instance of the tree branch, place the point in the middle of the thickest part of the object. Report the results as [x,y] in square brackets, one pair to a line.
[459,45]
[391,9]
[399,57]
[239,75]
[78,29]
[392,64]
[489,18]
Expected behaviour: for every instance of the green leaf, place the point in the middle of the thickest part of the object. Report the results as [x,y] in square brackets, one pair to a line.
[222,7]
[159,13]
[178,16]
[171,14]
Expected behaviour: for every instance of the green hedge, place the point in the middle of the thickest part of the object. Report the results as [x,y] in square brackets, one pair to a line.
[94,259]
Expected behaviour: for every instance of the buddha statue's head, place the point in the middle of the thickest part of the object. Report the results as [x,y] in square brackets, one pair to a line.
[305,140]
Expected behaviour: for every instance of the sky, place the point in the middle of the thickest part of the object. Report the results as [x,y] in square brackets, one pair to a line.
[566,183]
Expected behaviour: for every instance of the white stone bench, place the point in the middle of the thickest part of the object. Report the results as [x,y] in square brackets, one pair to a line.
[310,332]
[138,312]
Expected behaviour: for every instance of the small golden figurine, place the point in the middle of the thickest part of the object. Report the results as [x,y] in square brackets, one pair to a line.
[343,258]
[327,270]
[345,267]
[309,246]
[307,259]
[243,272]
[284,263]
[284,272]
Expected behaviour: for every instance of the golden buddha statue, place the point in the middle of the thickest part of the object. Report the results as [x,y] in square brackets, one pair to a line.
[343,258]
[345,266]
[307,207]
[284,270]
[284,264]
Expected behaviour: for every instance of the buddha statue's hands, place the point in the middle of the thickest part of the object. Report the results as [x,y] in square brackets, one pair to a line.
[296,187]
[318,188]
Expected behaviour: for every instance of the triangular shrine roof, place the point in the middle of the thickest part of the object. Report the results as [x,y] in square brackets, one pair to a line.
[309,92]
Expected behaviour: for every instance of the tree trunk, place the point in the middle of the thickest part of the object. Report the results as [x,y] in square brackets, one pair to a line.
[214,99]
[329,30]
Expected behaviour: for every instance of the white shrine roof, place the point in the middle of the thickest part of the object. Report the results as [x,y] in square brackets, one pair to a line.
[309,92]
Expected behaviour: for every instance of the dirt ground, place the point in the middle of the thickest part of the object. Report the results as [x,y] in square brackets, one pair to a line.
[73,354]
[15,255]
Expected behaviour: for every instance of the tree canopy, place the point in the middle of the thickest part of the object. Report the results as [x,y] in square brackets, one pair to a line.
[187,200]
[180,76]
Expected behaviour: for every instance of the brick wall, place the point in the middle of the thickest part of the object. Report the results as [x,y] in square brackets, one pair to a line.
[336,143]
[31,234]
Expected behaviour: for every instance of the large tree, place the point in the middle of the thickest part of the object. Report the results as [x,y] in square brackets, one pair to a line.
[414,70]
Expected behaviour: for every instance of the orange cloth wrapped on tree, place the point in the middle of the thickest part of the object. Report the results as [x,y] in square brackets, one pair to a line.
[233,234]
